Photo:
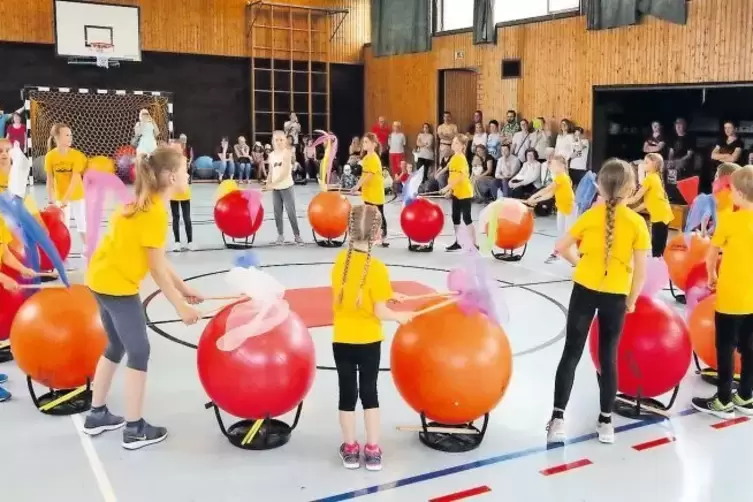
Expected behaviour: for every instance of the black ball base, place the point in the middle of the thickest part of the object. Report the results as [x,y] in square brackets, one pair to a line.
[417,247]
[237,244]
[329,243]
[272,433]
[452,442]
[679,297]
[643,408]
[509,255]
[5,354]
[79,403]
[710,375]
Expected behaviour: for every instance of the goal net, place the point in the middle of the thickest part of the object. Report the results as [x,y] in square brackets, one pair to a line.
[101,121]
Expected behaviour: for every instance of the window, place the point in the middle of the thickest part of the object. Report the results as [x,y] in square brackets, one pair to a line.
[454,15]
[517,10]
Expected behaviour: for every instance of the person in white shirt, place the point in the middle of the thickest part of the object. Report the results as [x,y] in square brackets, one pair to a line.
[479,137]
[280,182]
[546,174]
[528,179]
[579,157]
[18,177]
[292,128]
[564,145]
[508,166]
[396,142]
[522,141]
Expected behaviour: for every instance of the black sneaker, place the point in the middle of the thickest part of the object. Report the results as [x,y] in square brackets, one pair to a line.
[142,435]
[453,247]
[743,406]
[713,406]
[101,421]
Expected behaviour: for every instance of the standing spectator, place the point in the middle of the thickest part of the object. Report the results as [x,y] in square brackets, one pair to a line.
[382,131]
[680,163]
[425,150]
[243,159]
[729,149]
[187,153]
[16,132]
[655,143]
[510,127]
[4,118]
[508,166]
[446,132]
[578,157]
[564,144]
[521,141]
[478,118]
[493,139]
[292,128]
[225,155]
[397,143]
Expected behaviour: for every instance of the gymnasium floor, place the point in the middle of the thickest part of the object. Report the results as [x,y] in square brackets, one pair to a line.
[688,458]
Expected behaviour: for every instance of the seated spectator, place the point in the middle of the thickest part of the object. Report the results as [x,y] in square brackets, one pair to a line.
[243,160]
[528,179]
[483,175]
[225,155]
[258,162]
[387,179]
[406,170]
[441,175]
[546,175]
[348,179]
[508,166]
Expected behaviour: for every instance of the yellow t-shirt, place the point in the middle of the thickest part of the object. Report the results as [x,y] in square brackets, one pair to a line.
[182,196]
[734,236]
[354,323]
[630,236]
[655,198]
[458,169]
[61,168]
[4,180]
[120,262]
[564,197]
[724,200]
[373,190]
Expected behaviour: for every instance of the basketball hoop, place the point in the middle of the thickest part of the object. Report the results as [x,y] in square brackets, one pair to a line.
[102,49]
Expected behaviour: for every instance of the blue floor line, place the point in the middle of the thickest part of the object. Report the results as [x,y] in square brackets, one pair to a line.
[490,461]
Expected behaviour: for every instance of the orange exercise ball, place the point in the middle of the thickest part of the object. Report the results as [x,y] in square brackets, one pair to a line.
[329,213]
[514,224]
[703,333]
[681,257]
[451,366]
[57,337]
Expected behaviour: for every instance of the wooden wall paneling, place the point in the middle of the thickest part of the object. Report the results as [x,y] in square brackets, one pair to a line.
[459,98]
[215,27]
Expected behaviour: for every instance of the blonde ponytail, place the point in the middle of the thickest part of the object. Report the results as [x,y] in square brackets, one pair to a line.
[151,179]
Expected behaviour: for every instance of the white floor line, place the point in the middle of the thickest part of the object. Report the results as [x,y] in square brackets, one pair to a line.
[103,482]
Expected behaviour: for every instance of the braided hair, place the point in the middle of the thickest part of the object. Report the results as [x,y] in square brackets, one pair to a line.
[363,226]
[614,178]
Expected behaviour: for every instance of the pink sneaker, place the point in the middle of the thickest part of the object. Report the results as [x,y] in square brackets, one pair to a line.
[350,455]
[373,457]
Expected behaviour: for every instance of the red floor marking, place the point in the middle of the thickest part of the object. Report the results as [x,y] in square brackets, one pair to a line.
[653,444]
[557,469]
[462,495]
[728,423]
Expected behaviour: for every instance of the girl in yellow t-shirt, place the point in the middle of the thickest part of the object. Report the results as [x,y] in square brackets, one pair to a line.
[656,202]
[65,186]
[614,244]
[132,248]
[5,148]
[734,301]
[361,289]
[371,182]
[459,188]
[180,201]
[561,188]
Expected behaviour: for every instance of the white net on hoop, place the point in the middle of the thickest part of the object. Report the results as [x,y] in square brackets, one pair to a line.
[103,58]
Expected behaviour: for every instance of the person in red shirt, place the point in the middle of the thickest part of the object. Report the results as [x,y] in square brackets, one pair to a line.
[382,132]
[16,132]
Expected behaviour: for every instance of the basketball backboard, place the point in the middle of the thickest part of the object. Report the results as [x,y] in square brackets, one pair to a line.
[82,29]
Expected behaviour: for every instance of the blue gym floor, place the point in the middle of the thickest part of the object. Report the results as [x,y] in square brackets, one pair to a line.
[686,458]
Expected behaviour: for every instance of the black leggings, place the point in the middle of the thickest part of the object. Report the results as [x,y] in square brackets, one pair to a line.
[177,207]
[659,236]
[384,220]
[357,373]
[461,208]
[426,164]
[610,311]
[734,332]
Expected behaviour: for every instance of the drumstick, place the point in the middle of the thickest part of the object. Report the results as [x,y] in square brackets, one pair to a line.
[428,296]
[435,307]
[41,286]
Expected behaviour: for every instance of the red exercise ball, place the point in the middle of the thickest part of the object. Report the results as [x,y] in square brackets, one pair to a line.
[232,216]
[11,302]
[53,212]
[57,337]
[329,214]
[422,220]
[703,333]
[654,350]
[450,366]
[267,376]
[514,225]
[59,235]
[17,250]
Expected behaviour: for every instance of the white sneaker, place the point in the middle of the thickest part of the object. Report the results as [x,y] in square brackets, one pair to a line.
[556,431]
[605,432]
[192,246]
[176,247]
